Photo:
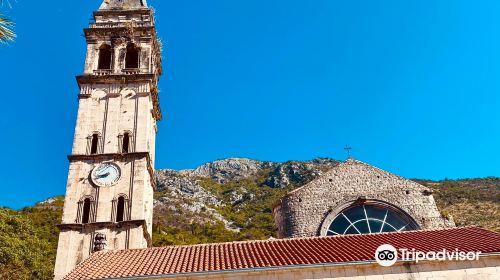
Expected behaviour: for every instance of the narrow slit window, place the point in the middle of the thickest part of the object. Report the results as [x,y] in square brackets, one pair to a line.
[126,143]
[86,211]
[120,209]
[94,144]
[132,57]
[104,58]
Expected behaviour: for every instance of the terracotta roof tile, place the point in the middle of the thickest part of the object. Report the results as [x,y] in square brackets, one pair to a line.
[275,253]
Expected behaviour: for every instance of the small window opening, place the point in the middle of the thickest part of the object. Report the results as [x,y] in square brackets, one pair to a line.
[126,143]
[86,211]
[120,209]
[132,57]
[105,58]
[95,141]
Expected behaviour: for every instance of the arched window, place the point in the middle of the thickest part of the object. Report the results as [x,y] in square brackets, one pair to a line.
[132,57]
[94,144]
[105,55]
[126,143]
[86,211]
[120,209]
[370,218]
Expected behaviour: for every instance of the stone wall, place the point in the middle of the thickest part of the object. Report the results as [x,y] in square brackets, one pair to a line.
[309,210]
[112,110]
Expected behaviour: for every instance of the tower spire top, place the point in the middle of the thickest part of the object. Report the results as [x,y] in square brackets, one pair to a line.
[123,4]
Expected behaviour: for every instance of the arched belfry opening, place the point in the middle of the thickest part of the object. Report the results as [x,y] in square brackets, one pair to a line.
[132,57]
[126,143]
[120,209]
[105,57]
[86,211]
[94,145]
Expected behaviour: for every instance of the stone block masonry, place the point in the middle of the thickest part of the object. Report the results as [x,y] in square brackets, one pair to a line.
[309,210]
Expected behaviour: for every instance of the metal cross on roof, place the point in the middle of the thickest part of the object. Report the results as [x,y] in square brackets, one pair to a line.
[348,150]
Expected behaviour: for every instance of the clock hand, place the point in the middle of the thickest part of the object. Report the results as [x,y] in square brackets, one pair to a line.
[103,175]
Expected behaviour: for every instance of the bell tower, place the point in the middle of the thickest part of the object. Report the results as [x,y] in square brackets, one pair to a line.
[109,192]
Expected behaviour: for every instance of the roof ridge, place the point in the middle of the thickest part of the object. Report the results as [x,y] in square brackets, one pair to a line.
[350,161]
[295,238]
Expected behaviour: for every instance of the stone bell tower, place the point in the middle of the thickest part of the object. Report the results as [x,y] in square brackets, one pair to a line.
[109,194]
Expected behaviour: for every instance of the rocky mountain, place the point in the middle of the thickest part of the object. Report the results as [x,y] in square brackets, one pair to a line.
[225,200]
[201,196]
[281,174]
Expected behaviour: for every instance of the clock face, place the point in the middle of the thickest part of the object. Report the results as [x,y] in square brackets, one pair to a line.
[105,174]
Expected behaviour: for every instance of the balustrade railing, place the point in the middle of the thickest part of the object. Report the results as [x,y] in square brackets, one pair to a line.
[119,24]
[131,71]
[102,72]
[126,71]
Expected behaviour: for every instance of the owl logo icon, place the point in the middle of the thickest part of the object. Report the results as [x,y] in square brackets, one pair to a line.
[386,255]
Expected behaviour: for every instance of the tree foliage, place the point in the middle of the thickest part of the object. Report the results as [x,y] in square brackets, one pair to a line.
[25,251]
[6,32]
[6,27]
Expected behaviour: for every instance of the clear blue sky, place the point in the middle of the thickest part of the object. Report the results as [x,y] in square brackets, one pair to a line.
[412,86]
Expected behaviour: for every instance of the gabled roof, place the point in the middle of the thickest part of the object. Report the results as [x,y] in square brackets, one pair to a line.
[276,253]
[357,171]
[123,4]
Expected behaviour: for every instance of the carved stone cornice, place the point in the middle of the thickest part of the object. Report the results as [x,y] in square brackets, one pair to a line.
[143,11]
[119,157]
[116,78]
[109,32]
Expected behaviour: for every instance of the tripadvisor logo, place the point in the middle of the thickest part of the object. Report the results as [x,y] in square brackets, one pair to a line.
[387,255]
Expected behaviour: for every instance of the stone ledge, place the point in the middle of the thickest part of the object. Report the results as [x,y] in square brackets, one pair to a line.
[110,225]
[102,225]
[115,78]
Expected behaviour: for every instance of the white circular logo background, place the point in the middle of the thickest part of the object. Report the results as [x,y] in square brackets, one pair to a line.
[386,255]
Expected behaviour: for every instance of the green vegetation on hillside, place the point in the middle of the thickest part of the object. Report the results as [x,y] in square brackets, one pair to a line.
[252,214]
[28,241]
[469,201]
[192,234]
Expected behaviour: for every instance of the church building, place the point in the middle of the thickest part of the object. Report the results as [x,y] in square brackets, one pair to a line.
[330,228]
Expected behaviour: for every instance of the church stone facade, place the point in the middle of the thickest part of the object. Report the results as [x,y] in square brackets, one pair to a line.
[309,210]
[109,192]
